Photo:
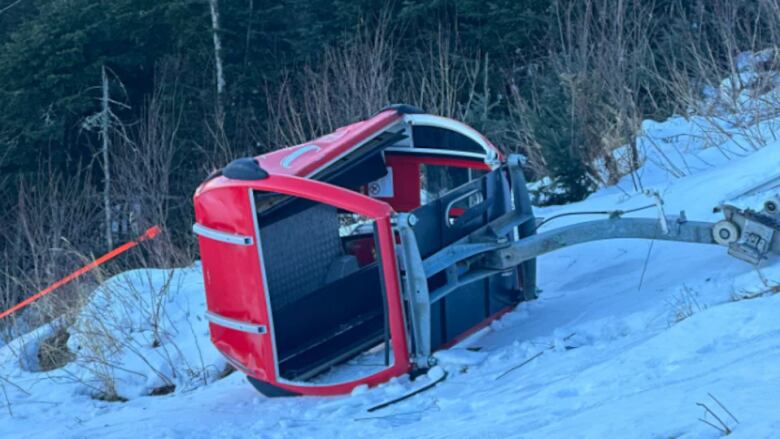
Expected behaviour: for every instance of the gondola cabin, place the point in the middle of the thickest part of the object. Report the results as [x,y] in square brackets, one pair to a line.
[324,263]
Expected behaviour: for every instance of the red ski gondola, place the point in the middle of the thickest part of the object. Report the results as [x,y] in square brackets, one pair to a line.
[300,251]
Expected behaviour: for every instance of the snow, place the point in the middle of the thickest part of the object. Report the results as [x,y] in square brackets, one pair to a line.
[151,323]
[624,341]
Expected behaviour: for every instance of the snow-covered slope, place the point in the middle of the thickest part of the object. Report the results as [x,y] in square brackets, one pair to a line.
[624,341]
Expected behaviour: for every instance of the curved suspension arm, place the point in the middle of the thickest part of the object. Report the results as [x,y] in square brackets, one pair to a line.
[680,230]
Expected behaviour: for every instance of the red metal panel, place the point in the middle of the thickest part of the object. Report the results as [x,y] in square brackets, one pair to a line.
[406,176]
[223,204]
[331,146]
[406,182]
[229,210]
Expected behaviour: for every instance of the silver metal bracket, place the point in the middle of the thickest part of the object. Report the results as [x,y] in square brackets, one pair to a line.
[659,204]
[415,289]
[756,235]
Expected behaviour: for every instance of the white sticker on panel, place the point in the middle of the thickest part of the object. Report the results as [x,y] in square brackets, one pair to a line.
[382,188]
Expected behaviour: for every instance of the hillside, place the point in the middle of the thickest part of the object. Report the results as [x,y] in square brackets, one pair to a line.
[624,341]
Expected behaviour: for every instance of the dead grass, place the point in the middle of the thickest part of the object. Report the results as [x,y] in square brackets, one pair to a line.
[683,305]
[768,288]
[53,352]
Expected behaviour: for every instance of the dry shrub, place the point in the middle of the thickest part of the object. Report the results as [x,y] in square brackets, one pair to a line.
[54,227]
[104,334]
[447,80]
[613,64]
[144,170]
[522,134]
[47,237]
[129,332]
[725,73]
[769,287]
[605,63]
[144,178]
[683,305]
[350,82]
[571,112]
[358,77]
[53,352]
[49,231]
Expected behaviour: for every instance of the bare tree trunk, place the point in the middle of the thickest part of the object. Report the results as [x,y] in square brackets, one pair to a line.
[214,5]
[248,39]
[104,125]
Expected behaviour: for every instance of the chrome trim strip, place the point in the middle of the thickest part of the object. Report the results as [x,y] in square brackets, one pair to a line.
[238,325]
[291,157]
[217,235]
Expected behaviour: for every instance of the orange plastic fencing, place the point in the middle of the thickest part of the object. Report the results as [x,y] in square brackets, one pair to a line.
[150,233]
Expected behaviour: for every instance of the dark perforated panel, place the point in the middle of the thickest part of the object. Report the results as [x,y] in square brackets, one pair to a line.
[298,251]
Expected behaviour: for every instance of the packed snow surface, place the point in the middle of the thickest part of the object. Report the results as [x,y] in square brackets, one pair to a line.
[625,340]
